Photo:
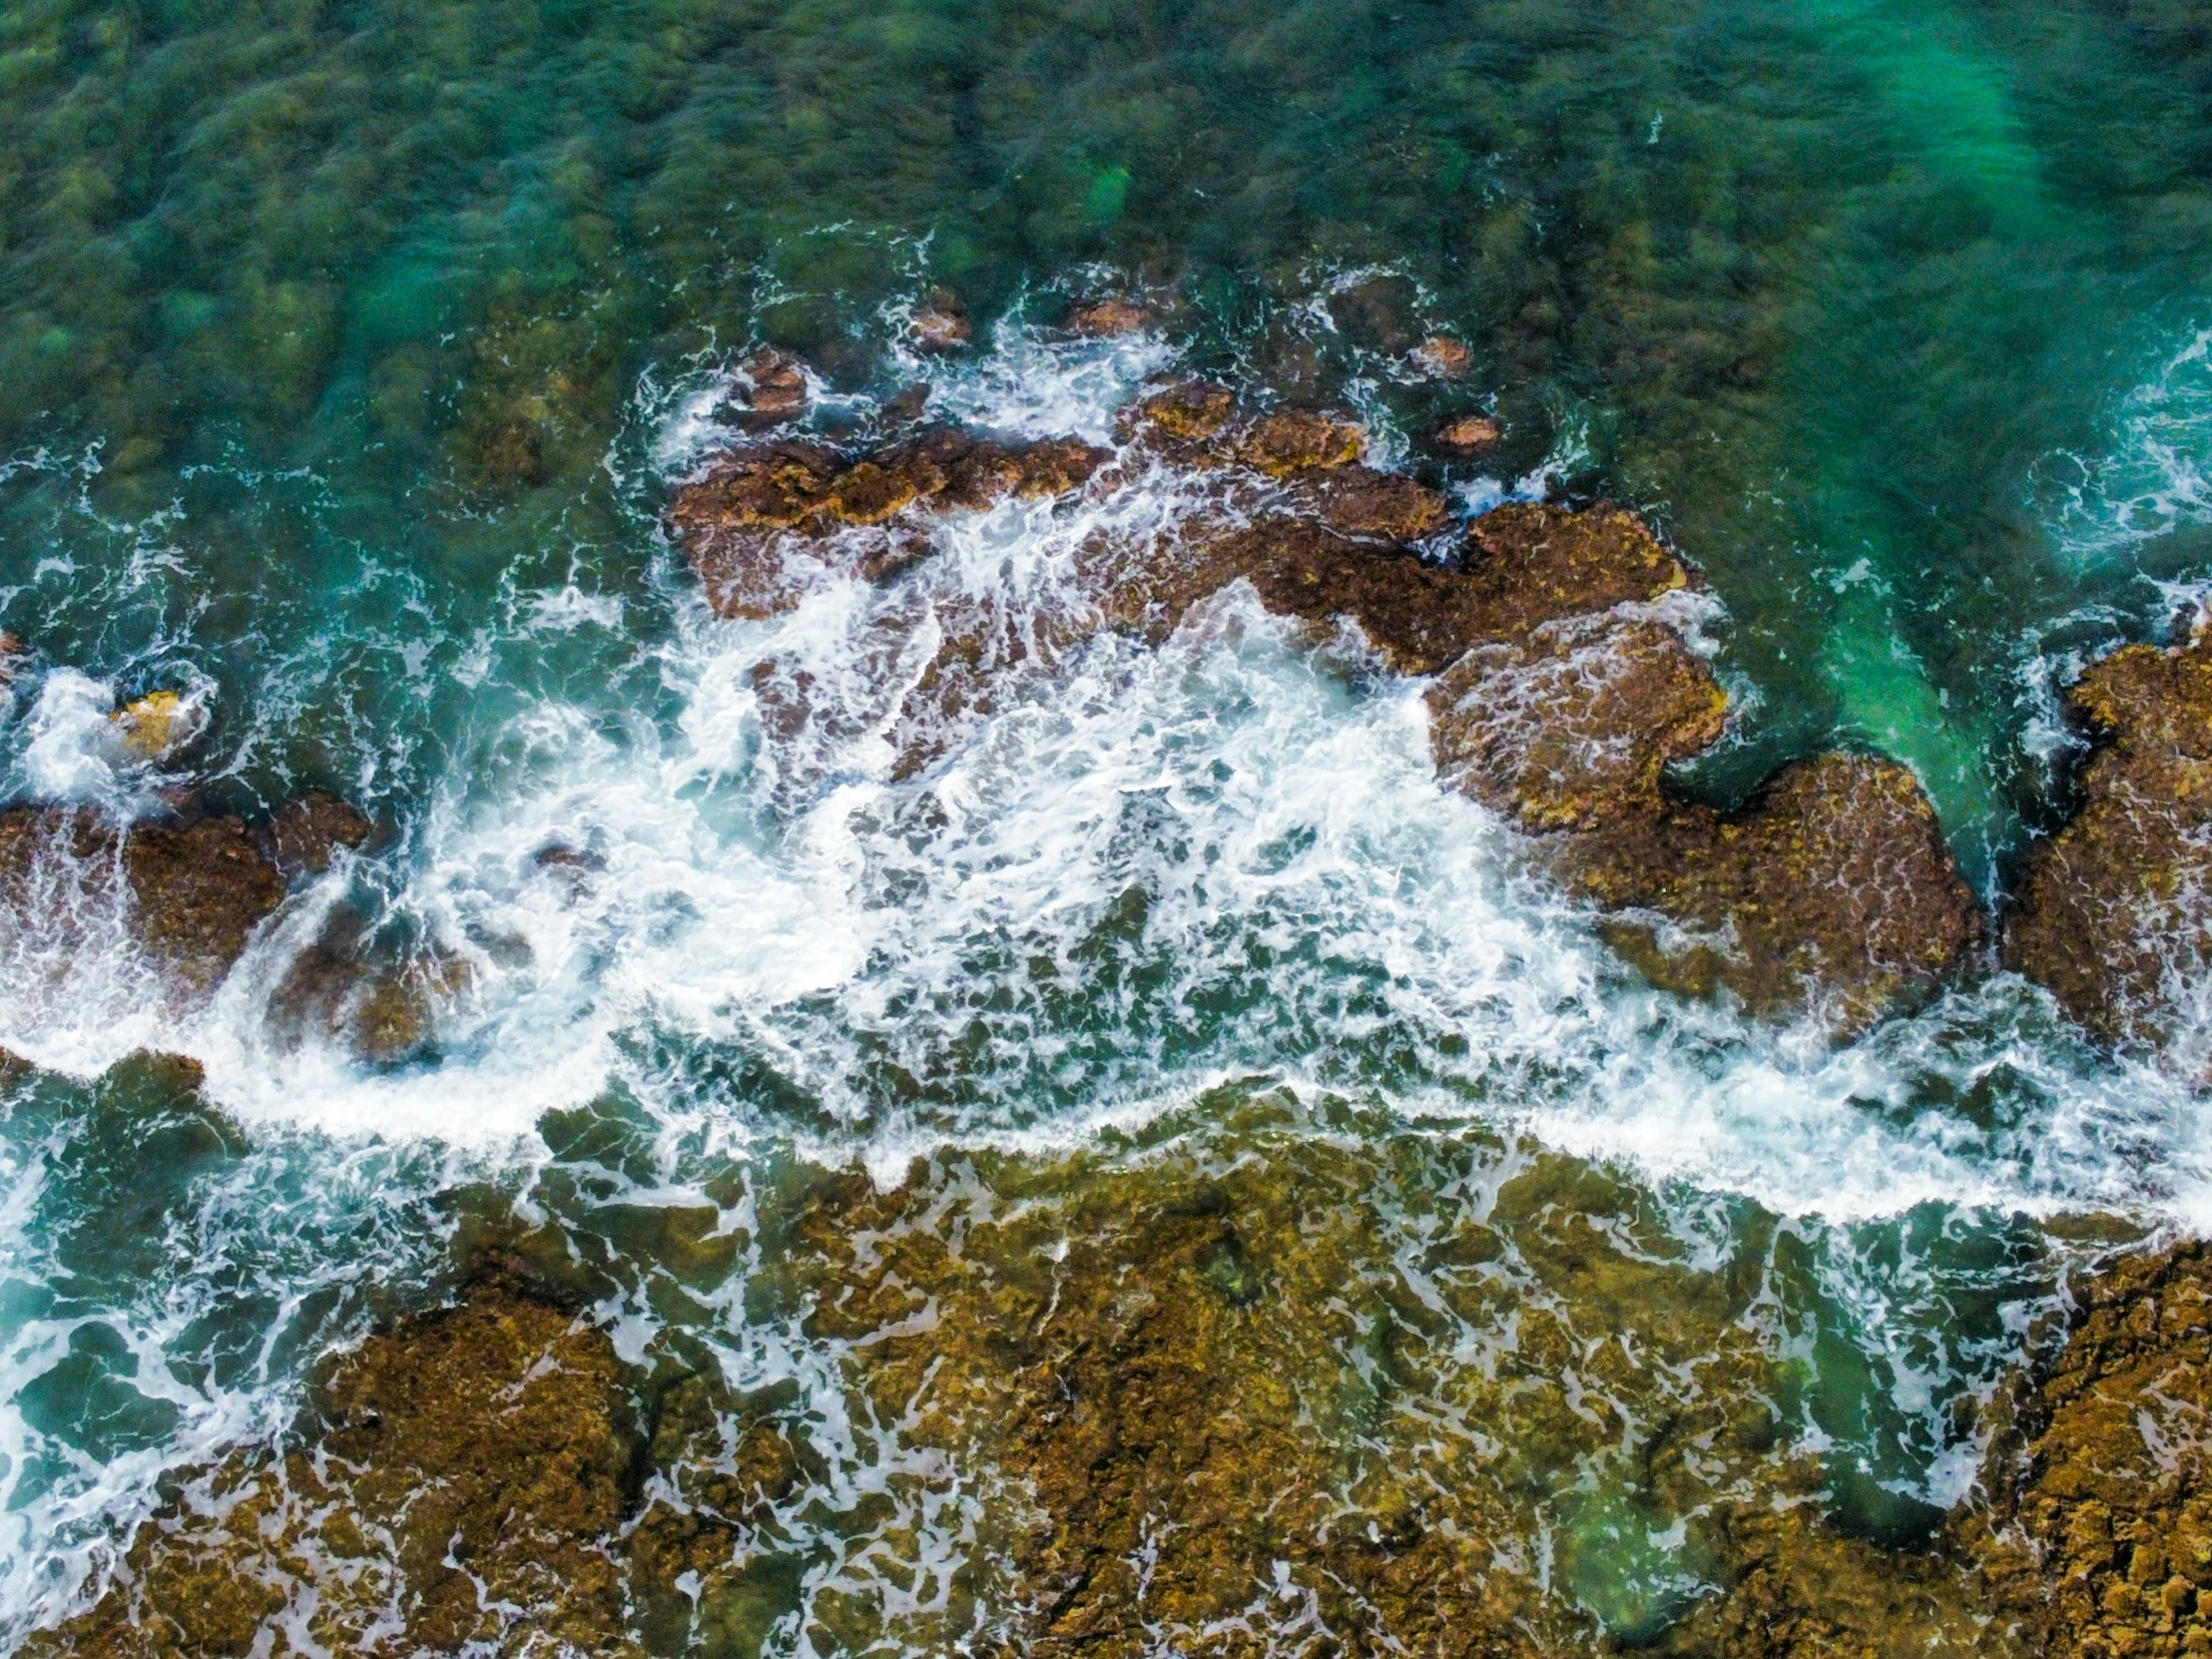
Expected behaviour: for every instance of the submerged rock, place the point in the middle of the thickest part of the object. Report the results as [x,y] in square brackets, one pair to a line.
[465,1477]
[2115,912]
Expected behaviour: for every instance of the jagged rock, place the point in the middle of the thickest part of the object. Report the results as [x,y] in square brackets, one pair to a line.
[940,323]
[463,1485]
[2114,1497]
[775,387]
[765,522]
[2115,912]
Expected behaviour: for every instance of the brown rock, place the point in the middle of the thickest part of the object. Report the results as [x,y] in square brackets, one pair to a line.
[160,725]
[1183,411]
[1442,357]
[194,894]
[1465,437]
[2113,1500]
[465,1486]
[2111,913]
[307,834]
[1300,440]
[775,386]
[1831,891]
[1105,318]
[941,322]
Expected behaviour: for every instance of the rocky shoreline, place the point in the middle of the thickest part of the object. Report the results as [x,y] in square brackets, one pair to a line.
[1191,1397]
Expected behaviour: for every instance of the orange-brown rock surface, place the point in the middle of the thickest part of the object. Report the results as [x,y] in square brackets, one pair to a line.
[2115,912]
[2109,1550]
[764,520]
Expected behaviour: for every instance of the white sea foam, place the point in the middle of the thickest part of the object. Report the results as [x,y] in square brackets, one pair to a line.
[2154,475]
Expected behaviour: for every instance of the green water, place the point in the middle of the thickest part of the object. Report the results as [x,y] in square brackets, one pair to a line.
[1826,285]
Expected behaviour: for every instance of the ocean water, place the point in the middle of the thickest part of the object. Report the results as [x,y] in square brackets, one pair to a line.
[349,353]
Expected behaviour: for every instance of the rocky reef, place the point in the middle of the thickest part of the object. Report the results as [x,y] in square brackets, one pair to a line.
[2105,1547]
[1163,1399]
[1562,683]
[462,1481]
[2115,912]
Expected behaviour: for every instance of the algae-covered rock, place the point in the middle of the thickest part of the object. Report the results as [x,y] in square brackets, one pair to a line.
[464,1480]
[1219,1402]
[2115,912]
[1831,890]
[2114,1506]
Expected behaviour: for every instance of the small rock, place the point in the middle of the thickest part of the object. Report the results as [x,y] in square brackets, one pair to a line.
[1106,318]
[161,725]
[1442,357]
[775,388]
[1465,436]
[940,323]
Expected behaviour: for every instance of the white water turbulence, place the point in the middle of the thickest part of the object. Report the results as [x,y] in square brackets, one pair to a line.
[2154,475]
[1120,878]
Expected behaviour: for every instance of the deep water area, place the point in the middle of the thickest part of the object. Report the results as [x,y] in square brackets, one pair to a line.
[350,354]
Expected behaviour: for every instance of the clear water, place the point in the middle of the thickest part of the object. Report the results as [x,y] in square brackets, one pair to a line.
[346,353]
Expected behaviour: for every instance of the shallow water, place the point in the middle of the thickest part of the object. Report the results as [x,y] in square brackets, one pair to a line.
[349,351]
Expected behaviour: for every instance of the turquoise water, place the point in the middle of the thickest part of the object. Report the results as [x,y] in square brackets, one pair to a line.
[348,351]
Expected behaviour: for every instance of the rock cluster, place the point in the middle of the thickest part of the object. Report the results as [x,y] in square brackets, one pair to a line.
[2115,912]
[192,894]
[1562,685]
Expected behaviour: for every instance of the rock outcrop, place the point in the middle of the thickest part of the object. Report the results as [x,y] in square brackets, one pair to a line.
[765,521]
[1562,682]
[2108,1550]
[191,895]
[465,1476]
[2115,912]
